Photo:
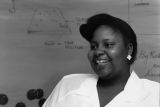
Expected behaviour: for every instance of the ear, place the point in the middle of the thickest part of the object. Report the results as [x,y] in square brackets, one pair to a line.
[130,49]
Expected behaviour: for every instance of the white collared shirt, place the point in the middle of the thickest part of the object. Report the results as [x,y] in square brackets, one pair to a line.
[79,90]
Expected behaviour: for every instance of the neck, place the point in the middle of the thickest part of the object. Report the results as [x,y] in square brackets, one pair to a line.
[117,80]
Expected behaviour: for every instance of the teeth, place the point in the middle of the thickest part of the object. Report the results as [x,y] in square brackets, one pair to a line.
[101,61]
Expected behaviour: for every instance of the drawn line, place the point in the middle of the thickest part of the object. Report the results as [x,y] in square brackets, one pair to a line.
[31,21]
[65,20]
[148,34]
[13,8]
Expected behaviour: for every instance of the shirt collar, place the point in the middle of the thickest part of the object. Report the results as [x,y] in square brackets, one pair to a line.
[133,91]
[89,89]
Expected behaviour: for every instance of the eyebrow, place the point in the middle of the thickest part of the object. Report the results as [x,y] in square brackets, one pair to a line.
[102,40]
[106,40]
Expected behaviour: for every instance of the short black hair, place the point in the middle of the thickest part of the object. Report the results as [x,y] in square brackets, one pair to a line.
[129,36]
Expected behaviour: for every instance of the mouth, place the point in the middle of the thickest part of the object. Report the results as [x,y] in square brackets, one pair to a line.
[101,61]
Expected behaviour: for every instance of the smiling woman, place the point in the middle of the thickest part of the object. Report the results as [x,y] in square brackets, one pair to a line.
[113,49]
[108,52]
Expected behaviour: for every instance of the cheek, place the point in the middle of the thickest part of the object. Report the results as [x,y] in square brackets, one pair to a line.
[90,55]
[118,53]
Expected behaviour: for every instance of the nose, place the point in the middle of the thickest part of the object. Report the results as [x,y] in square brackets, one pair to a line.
[99,53]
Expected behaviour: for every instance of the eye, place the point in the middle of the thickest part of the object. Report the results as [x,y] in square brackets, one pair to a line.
[109,45]
[93,46]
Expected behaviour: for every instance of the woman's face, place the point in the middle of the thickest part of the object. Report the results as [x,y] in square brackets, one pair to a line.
[108,52]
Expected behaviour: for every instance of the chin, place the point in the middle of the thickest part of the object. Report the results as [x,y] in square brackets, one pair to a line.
[103,73]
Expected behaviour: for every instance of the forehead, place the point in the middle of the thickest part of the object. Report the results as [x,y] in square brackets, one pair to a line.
[106,32]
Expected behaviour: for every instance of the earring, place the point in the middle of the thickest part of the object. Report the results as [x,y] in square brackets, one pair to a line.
[129,57]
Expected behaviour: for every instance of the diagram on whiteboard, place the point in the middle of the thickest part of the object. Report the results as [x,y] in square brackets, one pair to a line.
[52,21]
[48,21]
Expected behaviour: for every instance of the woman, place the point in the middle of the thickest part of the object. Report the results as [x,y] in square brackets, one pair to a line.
[113,48]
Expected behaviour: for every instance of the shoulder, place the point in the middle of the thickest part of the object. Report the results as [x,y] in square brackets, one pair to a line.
[66,85]
[77,78]
[75,81]
[147,84]
[151,86]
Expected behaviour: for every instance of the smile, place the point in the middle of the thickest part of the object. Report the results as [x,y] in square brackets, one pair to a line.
[101,61]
